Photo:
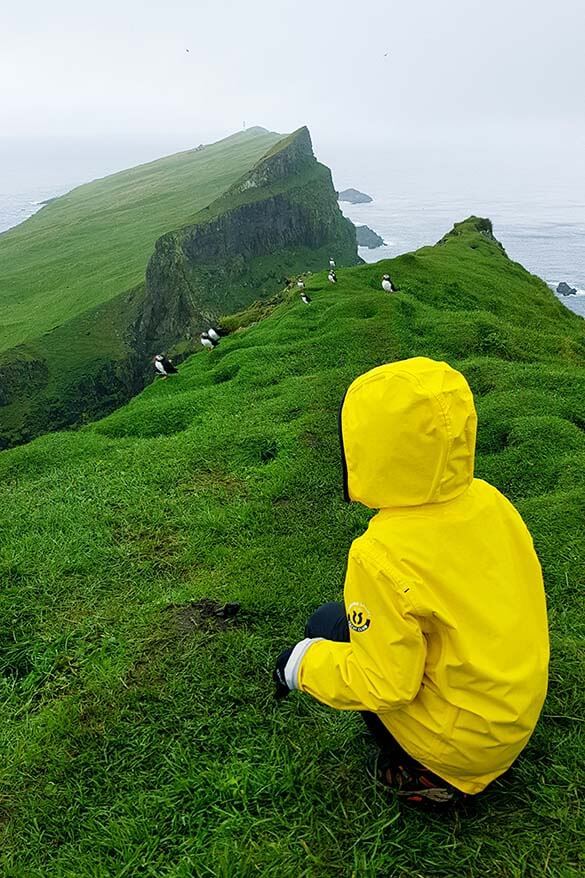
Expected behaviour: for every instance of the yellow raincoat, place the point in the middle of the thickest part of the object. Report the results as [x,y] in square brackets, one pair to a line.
[444,592]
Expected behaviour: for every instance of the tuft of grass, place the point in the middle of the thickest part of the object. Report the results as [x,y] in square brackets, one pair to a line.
[135,744]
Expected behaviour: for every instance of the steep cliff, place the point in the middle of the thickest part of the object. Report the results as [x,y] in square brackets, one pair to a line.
[279,218]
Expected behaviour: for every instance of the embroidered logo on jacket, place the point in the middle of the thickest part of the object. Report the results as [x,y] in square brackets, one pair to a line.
[358,616]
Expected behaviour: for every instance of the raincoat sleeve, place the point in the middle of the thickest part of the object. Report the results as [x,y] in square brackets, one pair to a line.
[382,666]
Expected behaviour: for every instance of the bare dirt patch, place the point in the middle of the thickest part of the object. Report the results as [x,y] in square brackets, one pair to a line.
[203,615]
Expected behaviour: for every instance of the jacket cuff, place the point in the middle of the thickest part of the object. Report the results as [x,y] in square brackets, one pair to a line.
[293,665]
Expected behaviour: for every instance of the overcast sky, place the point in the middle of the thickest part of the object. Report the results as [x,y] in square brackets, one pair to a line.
[390,70]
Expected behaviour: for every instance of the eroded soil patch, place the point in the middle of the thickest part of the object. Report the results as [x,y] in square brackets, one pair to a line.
[203,615]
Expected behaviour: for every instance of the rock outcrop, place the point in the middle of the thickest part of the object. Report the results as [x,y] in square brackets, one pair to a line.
[469,229]
[367,237]
[354,196]
[563,289]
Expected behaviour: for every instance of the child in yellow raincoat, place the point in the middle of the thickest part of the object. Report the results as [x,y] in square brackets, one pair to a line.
[442,639]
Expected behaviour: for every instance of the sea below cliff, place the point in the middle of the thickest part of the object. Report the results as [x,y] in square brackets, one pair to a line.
[553,250]
[536,201]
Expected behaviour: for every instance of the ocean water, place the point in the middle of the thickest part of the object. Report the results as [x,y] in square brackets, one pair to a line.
[535,198]
[15,207]
[547,239]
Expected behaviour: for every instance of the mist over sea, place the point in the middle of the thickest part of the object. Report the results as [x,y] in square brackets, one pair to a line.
[534,197]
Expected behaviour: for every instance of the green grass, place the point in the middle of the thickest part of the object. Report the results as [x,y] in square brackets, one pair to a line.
[135,744]
[86,247]
[280,218]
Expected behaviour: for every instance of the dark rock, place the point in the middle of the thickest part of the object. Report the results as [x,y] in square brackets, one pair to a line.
[354,196]
[367,237]
[564,289]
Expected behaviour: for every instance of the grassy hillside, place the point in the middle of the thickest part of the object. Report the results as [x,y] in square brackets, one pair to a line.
[279,218]
[91,244]
[138,735]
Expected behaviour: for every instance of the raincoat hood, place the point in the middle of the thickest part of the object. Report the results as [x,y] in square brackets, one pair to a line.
[408,434]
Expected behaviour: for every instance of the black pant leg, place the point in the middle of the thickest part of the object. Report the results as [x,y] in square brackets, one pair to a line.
[329,621]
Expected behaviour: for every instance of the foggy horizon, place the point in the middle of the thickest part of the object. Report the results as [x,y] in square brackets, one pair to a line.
[396,74]
[436,110]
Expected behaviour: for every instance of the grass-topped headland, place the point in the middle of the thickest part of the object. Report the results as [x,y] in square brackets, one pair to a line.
[87,246]
[88,345]
[138,734]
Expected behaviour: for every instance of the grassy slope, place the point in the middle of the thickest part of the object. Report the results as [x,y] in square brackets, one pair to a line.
[90,364]
[136,745]
[89,245]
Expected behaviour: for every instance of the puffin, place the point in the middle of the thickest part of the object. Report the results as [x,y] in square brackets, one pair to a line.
[332,262]
[159,365]
[387,284]
[301,284]
[305,299]
[332,277]
[213,335]
[206,341]
[164,366]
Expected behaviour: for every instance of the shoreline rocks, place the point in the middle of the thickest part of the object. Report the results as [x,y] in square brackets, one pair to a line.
[563,289]
[367,237]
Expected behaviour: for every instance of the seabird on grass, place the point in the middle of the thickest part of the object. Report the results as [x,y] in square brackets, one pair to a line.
[305,299]
[332,277]
[206,341]
[387,284]
[332,262]
[301,284]
[213,334]
[164,366]
[158,365]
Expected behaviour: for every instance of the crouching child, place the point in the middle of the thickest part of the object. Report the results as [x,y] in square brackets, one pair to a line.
[441,641]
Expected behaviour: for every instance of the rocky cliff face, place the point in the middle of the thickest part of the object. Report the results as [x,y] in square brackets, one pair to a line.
[282,218]
[279,220]
[283,161]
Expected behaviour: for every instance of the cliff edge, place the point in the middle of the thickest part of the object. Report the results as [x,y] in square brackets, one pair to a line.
[278,219]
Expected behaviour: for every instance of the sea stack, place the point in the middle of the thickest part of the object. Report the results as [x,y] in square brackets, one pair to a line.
[367,237]
[563,289]
[354,196]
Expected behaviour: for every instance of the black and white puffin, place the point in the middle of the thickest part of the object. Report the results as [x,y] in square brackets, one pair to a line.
[158,365]
[387,284]
[332,262]
[206,341]
[164,366]
[305,298]
[332,277]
